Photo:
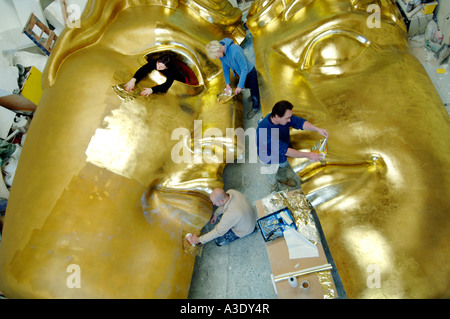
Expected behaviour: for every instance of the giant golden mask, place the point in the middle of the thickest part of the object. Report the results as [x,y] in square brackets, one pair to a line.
[97,194]
[99,208]
[382,196]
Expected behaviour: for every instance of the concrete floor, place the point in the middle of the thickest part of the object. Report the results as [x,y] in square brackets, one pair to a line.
[241,270]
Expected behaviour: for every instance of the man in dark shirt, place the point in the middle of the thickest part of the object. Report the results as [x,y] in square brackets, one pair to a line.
[274,139]
[163,65]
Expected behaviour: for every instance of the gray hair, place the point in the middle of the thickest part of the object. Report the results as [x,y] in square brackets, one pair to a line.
[213,48]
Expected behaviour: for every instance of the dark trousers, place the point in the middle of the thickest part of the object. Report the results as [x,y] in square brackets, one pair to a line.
[227,238]
[251,82]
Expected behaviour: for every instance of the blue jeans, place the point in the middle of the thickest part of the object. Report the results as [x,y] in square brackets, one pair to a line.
[229,237]
[275,173]
[3,203]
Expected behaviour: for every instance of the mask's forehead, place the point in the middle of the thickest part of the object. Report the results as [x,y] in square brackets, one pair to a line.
[166,21]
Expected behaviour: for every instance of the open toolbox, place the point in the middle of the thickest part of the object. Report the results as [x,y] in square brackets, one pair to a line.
[273,225]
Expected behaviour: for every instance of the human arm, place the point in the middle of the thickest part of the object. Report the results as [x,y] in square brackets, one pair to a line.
[139,75]
[226,72]
[164,87]
[300,123]
[194,239]
[241,60]
[144,70]
[227,222]
[311,127]
[171,73]
[315,157]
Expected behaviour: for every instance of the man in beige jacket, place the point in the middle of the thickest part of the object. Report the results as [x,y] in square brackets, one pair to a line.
[238,218]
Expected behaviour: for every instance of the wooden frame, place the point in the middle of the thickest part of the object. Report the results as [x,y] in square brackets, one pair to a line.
[44,43]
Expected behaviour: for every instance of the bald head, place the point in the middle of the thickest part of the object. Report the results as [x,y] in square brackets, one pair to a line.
[219,197]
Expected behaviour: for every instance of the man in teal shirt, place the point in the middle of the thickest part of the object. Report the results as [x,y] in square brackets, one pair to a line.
[233,58]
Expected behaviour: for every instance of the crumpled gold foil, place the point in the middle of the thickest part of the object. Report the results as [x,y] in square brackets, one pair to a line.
[224,98]
[300,208]
[123,94]
[321,147]
[326,281]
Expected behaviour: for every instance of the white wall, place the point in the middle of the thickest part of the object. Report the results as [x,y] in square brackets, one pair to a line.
[442,12]
[14,15]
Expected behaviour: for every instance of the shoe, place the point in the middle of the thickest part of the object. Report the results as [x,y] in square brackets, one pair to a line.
[442,54]
[289,182]
[252,113]
[275,187]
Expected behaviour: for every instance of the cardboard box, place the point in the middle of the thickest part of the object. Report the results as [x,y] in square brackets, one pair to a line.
[281,264]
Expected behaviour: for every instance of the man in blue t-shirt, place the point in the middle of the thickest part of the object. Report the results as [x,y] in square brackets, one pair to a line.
[274,140]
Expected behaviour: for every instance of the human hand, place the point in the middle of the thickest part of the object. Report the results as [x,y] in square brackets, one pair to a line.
[213,219]
[237,90]
[228,90]
[146,91]
[322,132]
[315,157]
[193,239]
[129,86]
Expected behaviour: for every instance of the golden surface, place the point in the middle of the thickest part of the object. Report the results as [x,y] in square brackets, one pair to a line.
[96,185]
[382,195]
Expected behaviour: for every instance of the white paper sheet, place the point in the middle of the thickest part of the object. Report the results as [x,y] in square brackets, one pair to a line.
[299,246]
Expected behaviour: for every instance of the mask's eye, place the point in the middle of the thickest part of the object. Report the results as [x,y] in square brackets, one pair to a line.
[333,49]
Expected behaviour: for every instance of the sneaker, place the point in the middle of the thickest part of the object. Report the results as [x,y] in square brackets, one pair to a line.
[252,113]
[289,182]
